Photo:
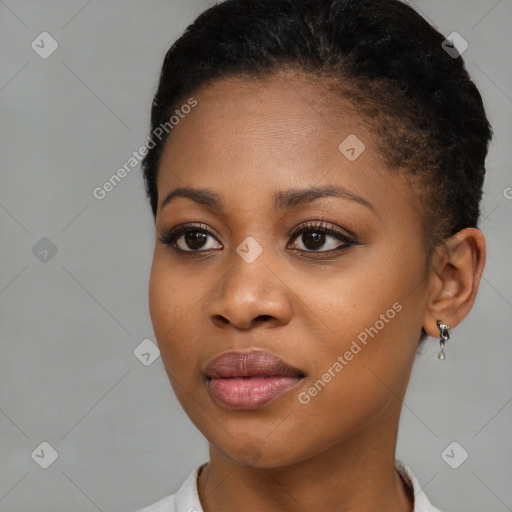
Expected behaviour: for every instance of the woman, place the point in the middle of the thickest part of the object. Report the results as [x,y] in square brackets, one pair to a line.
[315,178]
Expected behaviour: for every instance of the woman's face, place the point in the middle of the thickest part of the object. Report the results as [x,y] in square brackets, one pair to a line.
[344,307]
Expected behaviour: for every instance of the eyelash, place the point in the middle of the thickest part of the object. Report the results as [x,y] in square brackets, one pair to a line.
[170,236]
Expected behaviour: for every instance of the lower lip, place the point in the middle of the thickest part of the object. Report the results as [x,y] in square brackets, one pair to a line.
[252,392]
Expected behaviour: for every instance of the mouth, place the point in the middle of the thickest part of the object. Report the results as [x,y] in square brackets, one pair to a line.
[249,380]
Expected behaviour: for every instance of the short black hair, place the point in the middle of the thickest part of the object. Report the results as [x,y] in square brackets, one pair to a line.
[427,115]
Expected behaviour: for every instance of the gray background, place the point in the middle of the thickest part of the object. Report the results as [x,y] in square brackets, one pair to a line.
[69,325]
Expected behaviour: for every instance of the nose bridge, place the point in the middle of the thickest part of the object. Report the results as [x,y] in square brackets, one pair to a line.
[249,289]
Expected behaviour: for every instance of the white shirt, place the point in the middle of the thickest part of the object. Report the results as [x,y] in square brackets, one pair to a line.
[187,497]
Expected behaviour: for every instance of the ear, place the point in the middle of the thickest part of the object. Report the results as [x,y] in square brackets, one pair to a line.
[457,267]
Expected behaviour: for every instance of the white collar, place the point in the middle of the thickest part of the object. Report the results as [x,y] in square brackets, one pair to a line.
[421,502]
[187,497]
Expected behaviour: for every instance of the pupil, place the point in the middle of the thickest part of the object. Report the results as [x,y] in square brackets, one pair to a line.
[313,240]
[195,239]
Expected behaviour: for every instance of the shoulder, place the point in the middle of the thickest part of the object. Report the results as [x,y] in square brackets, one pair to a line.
[186,499]
[421,502]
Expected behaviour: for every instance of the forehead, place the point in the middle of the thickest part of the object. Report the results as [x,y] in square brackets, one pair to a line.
[282,104]
[250,138]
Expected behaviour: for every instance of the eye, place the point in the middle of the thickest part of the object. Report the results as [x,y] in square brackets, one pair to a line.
[316,235]
[188,238]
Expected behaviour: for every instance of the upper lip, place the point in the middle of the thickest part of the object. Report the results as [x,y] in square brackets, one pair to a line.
[250,364]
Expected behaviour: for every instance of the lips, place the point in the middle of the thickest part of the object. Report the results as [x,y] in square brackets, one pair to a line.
[248,380]
[250,364]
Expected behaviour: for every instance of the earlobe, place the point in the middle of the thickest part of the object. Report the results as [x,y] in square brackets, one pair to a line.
[458,267]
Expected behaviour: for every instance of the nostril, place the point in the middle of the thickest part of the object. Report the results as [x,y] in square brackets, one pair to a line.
[262,318]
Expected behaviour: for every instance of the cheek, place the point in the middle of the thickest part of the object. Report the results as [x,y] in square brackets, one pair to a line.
[357,372]
[170,301]
[367,315]
[171,306]
[162,306]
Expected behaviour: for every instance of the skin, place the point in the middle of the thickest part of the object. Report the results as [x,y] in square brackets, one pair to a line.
[246,140]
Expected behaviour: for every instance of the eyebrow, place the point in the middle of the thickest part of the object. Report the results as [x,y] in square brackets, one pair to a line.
[282,200]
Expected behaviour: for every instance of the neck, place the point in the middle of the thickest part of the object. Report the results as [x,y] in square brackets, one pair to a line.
[357,474]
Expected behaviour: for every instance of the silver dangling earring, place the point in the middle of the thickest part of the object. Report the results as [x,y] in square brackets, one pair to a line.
[443,336]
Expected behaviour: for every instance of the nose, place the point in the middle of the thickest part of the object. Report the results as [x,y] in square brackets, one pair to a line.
[251,294]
